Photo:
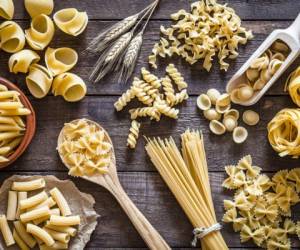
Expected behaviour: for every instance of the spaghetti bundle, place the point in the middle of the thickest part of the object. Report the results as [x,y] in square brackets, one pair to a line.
[186,175]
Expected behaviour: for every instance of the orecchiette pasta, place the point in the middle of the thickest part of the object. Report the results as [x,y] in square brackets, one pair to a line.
[21,61]
[71,21]
[37,7]
[60,60]
[40,33]
[7,9]
[133,134]
[70,86]
[12,37]
[39,80]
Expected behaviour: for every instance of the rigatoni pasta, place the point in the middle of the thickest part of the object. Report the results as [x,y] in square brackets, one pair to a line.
[12,205]
[6,232]
[26,237]
[22,245]
[35,214]
[57,220]
[28,185]
[60,201]
[12,37]
[21,196]
[37,7]
[21,61]
[40,233]
[7,9]
[33,200]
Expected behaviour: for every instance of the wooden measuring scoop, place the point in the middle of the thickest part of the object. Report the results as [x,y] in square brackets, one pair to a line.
[111,182]
[291,37]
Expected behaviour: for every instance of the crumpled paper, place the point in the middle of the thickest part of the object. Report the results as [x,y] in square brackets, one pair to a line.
[80,203]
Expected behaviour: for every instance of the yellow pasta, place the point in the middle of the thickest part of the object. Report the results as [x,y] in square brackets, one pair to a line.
[33,200]
[71,21]
[26,237]
[37,7]
[176,76]
[21,196]
[19,241]
[12,205]
[40,33]
[27,186]
[64,229]
[20,61]
[293,86]
[133,134]
[12,37]
[7,9]
[60,201]
[40,233]
[56,220]
[60,60]
[48,202]
[6,232]
[39,80]
[54,211]
[124,99]
[163,107]
[35,214]
[70,86]
[59,236]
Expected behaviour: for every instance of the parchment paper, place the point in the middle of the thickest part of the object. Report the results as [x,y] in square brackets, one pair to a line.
[80,203]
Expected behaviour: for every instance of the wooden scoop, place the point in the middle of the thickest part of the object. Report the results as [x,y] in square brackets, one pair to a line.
[111,182]
[290,36]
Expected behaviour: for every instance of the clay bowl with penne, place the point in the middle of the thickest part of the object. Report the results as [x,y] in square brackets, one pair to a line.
[29,120]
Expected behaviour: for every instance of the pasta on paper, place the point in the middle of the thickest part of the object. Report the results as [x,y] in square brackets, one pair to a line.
[37,7]
[12,37]
[7,9]
[21,61]
[71,21]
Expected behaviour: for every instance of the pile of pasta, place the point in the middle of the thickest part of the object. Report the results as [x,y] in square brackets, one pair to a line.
[12,127]
[293,86]
[158,96]
[85,148]
[261,208]
[38,36]
[38,218]
[209,30]
[260,72]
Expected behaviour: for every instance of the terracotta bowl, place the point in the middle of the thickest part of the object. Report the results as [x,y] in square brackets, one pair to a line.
[30,124]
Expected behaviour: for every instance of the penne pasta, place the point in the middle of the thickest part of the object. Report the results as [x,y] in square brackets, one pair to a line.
[64,229]
[54,211]
[12,37]
[19,241]
[37,7]
[56,220]
[6,232]
[12,205]
[33,200]
[19,111]
[21,61]
[8,94]
[35,214]
[7,120]
[9,135]
[40,233]
[26,237]
[28,185]
[60,201]
[21,196]
[59,236]
[7,9]
[10,105]
[10,128]
[19,121]
[3,159]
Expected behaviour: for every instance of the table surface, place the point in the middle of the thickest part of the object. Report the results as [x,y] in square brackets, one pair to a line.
[138,176]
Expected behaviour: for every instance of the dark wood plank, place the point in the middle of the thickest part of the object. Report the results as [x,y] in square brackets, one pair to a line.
[53,112]
[195,76]
[118,9]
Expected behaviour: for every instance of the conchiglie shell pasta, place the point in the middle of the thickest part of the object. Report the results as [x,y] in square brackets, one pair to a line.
[60,60]
[7,9]
[39,80]
[20,61]
[37,7]
[40,33]
[11,37]
[70,86]
[71,21]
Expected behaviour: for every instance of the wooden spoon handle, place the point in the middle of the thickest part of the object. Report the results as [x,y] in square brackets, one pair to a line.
[152,238]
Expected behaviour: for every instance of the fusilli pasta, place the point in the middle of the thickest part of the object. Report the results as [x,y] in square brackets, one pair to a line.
[133,134]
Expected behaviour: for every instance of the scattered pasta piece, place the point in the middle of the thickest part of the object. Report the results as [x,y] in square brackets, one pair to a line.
[37,7]
[239,135]
[250,117]
[220,35]
[12,37]
[7,9]
[21,61]
[176,76]
[133,134]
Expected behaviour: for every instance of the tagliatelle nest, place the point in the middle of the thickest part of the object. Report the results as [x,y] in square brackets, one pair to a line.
[211,29]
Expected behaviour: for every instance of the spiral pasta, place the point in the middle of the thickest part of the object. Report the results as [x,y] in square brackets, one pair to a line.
[7,9]
[21,61]
[133,134]
[150,78]
[40,33]
[165,109]
[12,37]
[293,86]
[124,99]
[168,89]
[176,76]
[70,86]
[151,112]
[60,60]
[284,132]
[142,95]
[39,80]
[71,21]
[37,7]
[179,97]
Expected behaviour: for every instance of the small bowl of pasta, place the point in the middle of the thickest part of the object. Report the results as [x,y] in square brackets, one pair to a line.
[17,122]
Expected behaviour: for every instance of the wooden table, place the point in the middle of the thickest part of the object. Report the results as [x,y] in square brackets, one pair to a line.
[138,176]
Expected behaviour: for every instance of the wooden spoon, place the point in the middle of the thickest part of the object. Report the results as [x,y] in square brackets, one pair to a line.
[111,182]
[290,36]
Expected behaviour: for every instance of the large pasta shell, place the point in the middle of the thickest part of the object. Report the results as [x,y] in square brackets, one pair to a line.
[60,60]
[203,102]
[71,21]
[37,7]
[7,9]
[12,37]
[39,80]
[239,135]
[217,127]
[20,61]
[70,86]
[40,33]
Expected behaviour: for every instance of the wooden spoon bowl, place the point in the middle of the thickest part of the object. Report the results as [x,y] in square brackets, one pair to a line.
[30,124]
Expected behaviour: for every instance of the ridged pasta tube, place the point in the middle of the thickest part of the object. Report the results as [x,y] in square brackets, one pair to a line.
[168,89]
[150,78]
[124,99]
[21,61]
[37,7]
[70,86]
[133,134]
[40,33]
[152,112]
[7,9]
[39,80]
[176,76]
[60,60]
[165,109]
[12,38]
[71,21]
